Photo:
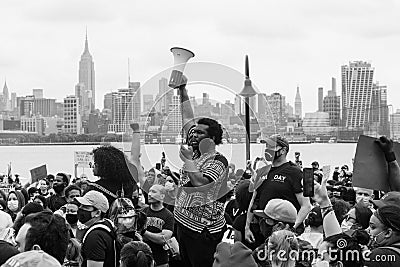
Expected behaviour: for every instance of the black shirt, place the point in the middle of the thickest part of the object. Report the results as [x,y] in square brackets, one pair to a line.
[282,182]
[156,222]
[98,246]
[232,209]
[239,225]
[55,202]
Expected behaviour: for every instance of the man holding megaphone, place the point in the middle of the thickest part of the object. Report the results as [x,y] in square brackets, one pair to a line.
[199,211]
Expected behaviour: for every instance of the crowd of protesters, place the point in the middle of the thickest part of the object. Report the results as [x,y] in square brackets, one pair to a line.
[206,214]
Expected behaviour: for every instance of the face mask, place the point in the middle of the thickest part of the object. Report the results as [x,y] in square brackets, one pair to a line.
[374,240]
[127,223]
[71,218]
[84,216]
[12,205]
[346,225]
[271,154]
[169,186]
[58,188]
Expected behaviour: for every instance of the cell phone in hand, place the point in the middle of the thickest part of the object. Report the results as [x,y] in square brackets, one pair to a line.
[308,182]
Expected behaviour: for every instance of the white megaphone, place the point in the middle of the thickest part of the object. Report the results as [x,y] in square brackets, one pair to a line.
[181,57]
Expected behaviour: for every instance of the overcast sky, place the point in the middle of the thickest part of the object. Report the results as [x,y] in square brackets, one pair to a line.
[289,43]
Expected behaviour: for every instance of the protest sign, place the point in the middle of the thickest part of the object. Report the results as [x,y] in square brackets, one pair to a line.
[326,170]
[370,166]
[84,159]
[38,173]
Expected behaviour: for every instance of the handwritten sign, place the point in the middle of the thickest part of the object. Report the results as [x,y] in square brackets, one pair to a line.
[38,173]
[370,167]
[84,159]
[326,170]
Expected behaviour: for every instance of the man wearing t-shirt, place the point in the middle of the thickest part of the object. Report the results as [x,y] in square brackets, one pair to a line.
[98,246]
[199,209]
[159,225]
[281,180]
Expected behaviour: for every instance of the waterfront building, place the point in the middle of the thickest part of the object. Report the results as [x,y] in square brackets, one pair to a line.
[379,112]
[35,124]
[331,105]
[72,117]
[320,98]
[317,123]
[357,84]
[174,119]
[108,101]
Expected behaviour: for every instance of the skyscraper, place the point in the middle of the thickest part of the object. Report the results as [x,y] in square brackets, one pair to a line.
[37,93]
[357,83]
[72,118]
[164,97]
[331,105]
[86,78]
[277,108]
[148,103]
[298,112]
[136,100]
[379,112]
[320,98]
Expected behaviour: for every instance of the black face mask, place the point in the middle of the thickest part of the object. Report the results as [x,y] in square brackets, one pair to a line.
[271,155]
[84,216]
[58,188]
[72,219]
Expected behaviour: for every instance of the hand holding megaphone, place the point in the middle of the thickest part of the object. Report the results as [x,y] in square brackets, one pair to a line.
[181,57]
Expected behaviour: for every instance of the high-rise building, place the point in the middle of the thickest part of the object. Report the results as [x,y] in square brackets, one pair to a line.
[108,101]
[331,105]
[164,97]
[125,109]
[298,111]
[85,104]
[37,93]
[206,99]
[87,77]
[148,103]
[174,115]
[44,106]
[379,112]
[277,107]
[262,106]
[395,125]
[5,99]
[72,118]
[289,110]
[13,101]
[136,100]
[320,98]
[357,83]
[238,105]
[26,106]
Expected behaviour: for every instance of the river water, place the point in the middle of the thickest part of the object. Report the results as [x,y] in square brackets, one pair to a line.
[61,158]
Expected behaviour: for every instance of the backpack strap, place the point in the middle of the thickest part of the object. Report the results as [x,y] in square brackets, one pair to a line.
[104,190]
[105,225]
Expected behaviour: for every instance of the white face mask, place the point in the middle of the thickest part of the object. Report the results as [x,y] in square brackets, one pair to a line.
[12,205]
[169,186]
[346,225]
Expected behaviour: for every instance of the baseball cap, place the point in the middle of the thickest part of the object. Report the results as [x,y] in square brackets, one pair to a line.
[279,210]
[391,198]
[95,199]
[236,254]
[276,140]
[32,258]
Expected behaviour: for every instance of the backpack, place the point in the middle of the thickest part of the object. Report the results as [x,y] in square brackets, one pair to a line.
[108,227]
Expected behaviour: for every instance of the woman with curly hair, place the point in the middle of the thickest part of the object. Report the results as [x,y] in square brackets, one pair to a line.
[111,166]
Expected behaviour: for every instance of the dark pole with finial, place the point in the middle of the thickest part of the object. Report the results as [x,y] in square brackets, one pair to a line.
[247,92]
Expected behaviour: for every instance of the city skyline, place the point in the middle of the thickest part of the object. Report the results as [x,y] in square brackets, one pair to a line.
[43,43]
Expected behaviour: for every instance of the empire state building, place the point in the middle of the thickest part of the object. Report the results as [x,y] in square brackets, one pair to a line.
[85,89]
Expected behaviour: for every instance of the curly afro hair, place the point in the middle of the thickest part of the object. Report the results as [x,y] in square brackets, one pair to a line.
[111,164]
[214,129]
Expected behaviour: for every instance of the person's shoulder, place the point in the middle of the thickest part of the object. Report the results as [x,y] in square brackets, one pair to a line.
[221,158]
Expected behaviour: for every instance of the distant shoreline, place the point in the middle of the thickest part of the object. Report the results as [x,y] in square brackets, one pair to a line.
[57,144]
